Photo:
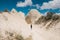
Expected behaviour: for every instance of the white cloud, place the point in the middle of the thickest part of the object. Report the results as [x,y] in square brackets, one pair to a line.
[27,3]
[51,5]
[37,6]
[24,4]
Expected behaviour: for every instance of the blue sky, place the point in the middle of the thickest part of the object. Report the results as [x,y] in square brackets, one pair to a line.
[26,5]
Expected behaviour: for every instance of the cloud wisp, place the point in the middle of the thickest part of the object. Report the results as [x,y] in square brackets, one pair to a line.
[55,4]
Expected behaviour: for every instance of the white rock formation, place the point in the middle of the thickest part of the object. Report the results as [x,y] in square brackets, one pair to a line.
[14,10]
[15,22]
[34,15]
[49,31]
[22,15]
[41,33]
[12,22]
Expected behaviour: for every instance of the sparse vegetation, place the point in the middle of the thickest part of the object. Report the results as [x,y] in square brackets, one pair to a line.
[11,36]
[49,15]
[6,10]
[54,18]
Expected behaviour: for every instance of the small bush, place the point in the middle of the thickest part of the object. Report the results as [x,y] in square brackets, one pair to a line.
[6,10]
[10,36]
[55,17]
[49,15]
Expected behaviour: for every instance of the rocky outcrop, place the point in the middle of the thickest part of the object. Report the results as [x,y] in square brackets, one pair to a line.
[14,22]
[32,16]
[35,26]
[50,19]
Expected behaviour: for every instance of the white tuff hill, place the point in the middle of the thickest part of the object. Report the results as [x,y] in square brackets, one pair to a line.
[14,22]
[34,26]
[33,15]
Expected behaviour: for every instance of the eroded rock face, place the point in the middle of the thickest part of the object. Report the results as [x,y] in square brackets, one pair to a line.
[50,19]
[41,33]
[28,20]
[13,22]
[32,16]
[15,26]
[47,29]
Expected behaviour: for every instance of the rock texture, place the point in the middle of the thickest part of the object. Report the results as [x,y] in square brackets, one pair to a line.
[14,22]
[32,16]
[34,26]
[47,27]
